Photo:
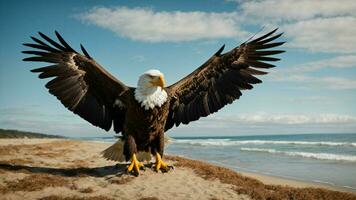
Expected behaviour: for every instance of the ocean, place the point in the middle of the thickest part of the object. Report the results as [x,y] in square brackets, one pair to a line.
[319,158]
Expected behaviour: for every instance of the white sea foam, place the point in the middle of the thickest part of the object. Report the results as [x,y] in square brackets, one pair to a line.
[319,156]
[204,142]
[229,142]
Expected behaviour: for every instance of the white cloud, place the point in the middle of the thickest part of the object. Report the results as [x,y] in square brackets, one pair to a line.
[287,119]
[315,25]
[301,73]
[54,127]
[332,35]
[290,10]
[138,58]
[36,119]
[338,62]
[270,123]
[337,83]
[145,24]
[313,99]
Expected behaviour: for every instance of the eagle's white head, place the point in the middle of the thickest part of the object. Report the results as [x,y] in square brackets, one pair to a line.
[149,91]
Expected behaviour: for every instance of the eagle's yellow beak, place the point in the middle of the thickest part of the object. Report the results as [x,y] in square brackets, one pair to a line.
[158,81]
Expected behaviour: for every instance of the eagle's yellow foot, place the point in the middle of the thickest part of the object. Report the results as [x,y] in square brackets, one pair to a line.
[135,166]
[160,165]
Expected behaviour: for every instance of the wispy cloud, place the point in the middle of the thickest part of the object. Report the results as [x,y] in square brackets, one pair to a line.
[32,112]
[338,62]
[332,35]
[52,126]
[315,25]
[262,122]
[312,99]
[145,24]
[290,10]
[288,119]
[302,73]
[328,82]
[33,118]
[138,58]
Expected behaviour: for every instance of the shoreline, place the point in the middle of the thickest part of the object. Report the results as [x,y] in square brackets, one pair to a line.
[276,180]
[270,179]
[289,181]
[65,168]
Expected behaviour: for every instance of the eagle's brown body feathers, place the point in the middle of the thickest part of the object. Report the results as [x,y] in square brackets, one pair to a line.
[143,129]
[87,89]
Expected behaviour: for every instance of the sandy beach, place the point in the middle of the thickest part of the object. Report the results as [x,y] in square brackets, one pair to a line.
[69,169]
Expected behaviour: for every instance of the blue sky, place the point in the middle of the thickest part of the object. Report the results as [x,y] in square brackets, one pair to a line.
[312,90]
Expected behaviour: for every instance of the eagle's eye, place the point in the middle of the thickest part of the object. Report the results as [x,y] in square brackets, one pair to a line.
[151,76]
[157,80]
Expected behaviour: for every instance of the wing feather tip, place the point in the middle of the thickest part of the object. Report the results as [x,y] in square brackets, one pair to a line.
[28,59]
[41,34]
[263,36]
[35,70]
[63,42]
[33,38]
[27,44]
[218,53]
[85,51]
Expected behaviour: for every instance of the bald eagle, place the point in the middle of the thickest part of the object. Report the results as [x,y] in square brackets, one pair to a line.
[142,114]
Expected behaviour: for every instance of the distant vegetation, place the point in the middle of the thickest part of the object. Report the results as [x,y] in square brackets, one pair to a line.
[24,134]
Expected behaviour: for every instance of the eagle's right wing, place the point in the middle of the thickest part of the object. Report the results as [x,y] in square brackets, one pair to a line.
[81,84]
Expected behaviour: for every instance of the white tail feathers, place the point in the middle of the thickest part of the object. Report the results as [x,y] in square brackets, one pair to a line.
[116,153]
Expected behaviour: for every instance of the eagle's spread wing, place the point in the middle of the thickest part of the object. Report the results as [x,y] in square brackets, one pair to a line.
[219,80]
[81,84]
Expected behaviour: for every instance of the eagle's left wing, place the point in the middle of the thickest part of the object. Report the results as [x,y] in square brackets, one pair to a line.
[219,80]
[79,82]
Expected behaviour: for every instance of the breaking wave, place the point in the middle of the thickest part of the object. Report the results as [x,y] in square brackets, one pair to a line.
[229,142]
[318,156]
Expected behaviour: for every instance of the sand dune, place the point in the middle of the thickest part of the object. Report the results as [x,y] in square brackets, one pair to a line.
[69,169]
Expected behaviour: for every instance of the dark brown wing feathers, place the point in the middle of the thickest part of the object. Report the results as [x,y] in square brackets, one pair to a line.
[220,80]
[81,84]
[85,52]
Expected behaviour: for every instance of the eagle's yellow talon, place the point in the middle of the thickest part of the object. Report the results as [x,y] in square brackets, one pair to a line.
[135,165]
[160,165]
